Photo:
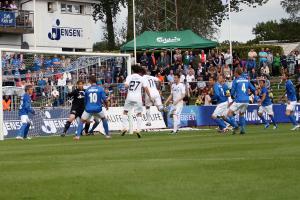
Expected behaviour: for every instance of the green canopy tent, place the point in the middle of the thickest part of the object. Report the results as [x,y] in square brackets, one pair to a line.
[169,40]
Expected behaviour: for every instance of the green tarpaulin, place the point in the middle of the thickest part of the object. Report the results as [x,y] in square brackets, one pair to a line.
[171,39]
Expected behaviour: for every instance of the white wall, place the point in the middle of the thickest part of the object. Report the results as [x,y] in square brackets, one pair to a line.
[10,41]
[45,21]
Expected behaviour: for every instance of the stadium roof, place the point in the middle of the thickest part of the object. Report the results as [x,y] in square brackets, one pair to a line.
[169,40]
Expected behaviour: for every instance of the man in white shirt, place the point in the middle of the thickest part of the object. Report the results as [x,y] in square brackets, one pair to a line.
[154,99]
[134,83]
[178,92]
[228,58]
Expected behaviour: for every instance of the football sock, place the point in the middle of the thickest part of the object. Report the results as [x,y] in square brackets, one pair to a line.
[105,126]
[220,123]
[79,129]
[22,130]
[175,118]
[139,123]
[242,122]
[232,122]
[293,119]
[87,127]
[125,122]
[148,115]
[94,126]
[26,130]
[67,126]
[263,119]
[273,120]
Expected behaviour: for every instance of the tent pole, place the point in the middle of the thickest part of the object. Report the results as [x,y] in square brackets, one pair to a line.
[134,33]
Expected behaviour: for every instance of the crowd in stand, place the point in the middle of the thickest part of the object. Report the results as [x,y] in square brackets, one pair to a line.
[7,5]
[47,73]
[195,67]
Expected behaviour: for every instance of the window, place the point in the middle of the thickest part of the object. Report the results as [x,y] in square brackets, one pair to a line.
[63,7]
[69,8]
[67,49]
[50,7]
[72,8]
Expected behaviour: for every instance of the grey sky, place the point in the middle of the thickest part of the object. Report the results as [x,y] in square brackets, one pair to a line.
[242,22]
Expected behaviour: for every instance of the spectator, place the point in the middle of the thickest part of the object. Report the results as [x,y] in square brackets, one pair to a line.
[28,76]
[291,62]
[153,60]
[162,60]
[252,74]
[252,55]
[270,59]
[202,57]
[262,57]
[228,58]
[6,5]
[201,85]
[186,60]
[144,59]
[297,55]
[13,6]
[264,71]
[227,72]
[178,57]
[56,62]
[276,65]
[170,77]
[6,103]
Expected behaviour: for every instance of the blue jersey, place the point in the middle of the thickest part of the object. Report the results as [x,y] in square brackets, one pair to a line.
[25,106]
[239,90]
[94,97]
[290,91]
[267,100]
[219,93]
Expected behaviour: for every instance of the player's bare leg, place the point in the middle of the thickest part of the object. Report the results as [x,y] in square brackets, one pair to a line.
[148,114]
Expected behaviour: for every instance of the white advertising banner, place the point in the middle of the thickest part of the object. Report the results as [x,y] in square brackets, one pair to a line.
[114,116]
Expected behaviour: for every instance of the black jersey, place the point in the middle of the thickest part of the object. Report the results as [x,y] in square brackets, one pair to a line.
[78,99]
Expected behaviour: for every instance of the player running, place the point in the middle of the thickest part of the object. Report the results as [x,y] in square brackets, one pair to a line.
[77,107]
[220,95]
[290,93]
[94,98]
[24,109]
[154,99]
[134,83]
[265,105]
[177,95]
[240,92]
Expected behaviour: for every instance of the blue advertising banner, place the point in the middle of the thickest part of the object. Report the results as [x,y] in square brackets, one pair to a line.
[7,18]
[201,115]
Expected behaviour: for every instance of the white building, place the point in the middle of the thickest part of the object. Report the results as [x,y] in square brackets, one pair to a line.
[52,25]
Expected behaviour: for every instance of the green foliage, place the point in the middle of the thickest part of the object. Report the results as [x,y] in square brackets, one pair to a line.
[243,50]
[293,8]
[286,29]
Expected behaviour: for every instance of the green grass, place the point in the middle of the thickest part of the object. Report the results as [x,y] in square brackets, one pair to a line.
[263,164]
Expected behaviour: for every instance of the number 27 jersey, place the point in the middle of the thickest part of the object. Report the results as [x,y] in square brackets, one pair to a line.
[135,84]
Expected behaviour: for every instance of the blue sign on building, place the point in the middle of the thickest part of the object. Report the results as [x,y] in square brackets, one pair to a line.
[7,18]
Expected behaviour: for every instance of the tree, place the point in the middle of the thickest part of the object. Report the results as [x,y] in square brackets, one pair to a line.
[106,11]
[272,30]
[202,16]
[293,8]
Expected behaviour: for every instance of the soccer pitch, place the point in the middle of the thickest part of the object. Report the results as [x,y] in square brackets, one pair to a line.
[263,164]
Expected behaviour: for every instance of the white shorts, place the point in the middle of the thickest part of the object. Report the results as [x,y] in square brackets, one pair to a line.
[266,109]
[133,105]
[25,119]
[157,101]
[291,106]
[221,109]
[176,110]
[239,107]
[87,116]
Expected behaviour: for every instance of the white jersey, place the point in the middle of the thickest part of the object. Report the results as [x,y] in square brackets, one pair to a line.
[135,84]
[178,91]
[151,84]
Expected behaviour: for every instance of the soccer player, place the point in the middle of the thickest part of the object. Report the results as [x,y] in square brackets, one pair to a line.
[290,93]
[219,94]
[154,99]
[77,107]
[240,93]
[94,98]
[24,109]
[134,83]
[265,105]
[178,91]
